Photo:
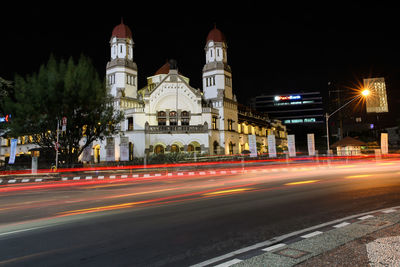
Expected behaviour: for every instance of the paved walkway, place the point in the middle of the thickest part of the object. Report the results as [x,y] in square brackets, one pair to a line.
[369,240]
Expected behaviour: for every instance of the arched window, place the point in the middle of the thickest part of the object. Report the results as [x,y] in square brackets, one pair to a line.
[173,118]
[190,148]
[159,149]
[175,148]
[185,117]
[162,118]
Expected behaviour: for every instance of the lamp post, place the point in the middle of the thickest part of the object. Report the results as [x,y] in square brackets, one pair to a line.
[364,93]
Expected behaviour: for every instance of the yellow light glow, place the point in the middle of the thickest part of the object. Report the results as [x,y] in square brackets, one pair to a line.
[365,92]
[227,191]
[303,182]
[358,176]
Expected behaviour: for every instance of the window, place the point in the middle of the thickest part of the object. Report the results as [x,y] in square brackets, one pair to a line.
[159,149]
[214,123]
[231,145]
[228,81]
[173,119]
[230,125]
[174,148]
[161,118]
[185,117]
[215,147]
[111,79]
[130,124]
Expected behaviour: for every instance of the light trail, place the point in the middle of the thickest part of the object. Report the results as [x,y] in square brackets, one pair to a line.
[358,176]
[179,197]
[227,191]
[303,182]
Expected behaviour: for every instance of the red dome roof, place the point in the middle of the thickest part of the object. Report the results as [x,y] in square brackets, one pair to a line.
[163,70]
[216,35]
[121,31]
[166,67]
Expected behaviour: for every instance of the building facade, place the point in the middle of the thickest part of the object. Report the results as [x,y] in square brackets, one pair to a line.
[292,108]
[169,115]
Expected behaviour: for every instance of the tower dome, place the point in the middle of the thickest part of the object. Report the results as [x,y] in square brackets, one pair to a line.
[216,35]
[121,31]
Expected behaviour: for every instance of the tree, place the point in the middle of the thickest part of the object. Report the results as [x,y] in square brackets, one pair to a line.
[59,90]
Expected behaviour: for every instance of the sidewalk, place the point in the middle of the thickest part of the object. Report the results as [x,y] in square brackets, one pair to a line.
[369,240]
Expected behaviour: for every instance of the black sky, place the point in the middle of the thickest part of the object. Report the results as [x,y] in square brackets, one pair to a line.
[274,48]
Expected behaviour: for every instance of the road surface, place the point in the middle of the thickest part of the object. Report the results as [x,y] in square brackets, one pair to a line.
[184,219]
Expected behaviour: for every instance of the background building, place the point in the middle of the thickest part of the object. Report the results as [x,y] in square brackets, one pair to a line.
[300,112]
[292,108]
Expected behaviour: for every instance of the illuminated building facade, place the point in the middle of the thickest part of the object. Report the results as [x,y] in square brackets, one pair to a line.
[304,108]
[168,115]
[376,102]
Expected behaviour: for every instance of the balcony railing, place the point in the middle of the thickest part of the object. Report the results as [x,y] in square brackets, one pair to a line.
[170,129]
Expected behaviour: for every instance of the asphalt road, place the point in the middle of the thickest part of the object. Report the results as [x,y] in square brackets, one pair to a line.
[181,220]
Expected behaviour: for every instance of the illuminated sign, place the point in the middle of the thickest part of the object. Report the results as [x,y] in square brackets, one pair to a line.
[376,101]
[306,120]
[287,97]
[6,118]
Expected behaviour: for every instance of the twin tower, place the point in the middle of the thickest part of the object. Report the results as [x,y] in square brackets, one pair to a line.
[122,71]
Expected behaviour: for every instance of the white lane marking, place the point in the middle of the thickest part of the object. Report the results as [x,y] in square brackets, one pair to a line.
[169,174]
[146,175]
[124,176]
[212,172]
[228,263]
[100,177]
[89,177]
[180,173]
[19,231]
[12,181]
[222,172]
[389,211]
[38,180]
[64,179]
[157,174]
[112,177]
[25,180]
[191,173]
[366,217]
[281,238]
[233,171]
[76,178]
[341,224]
[202,173]
[135,175]
[311,234]
[274,247]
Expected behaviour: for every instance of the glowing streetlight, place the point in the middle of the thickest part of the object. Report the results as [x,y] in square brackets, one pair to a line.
[363,93]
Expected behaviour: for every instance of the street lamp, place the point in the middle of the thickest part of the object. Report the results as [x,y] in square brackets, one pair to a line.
[364,93]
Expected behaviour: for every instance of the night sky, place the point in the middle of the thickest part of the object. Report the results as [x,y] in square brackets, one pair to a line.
[271,49]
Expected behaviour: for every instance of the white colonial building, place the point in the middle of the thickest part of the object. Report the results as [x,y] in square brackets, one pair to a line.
[168,115]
